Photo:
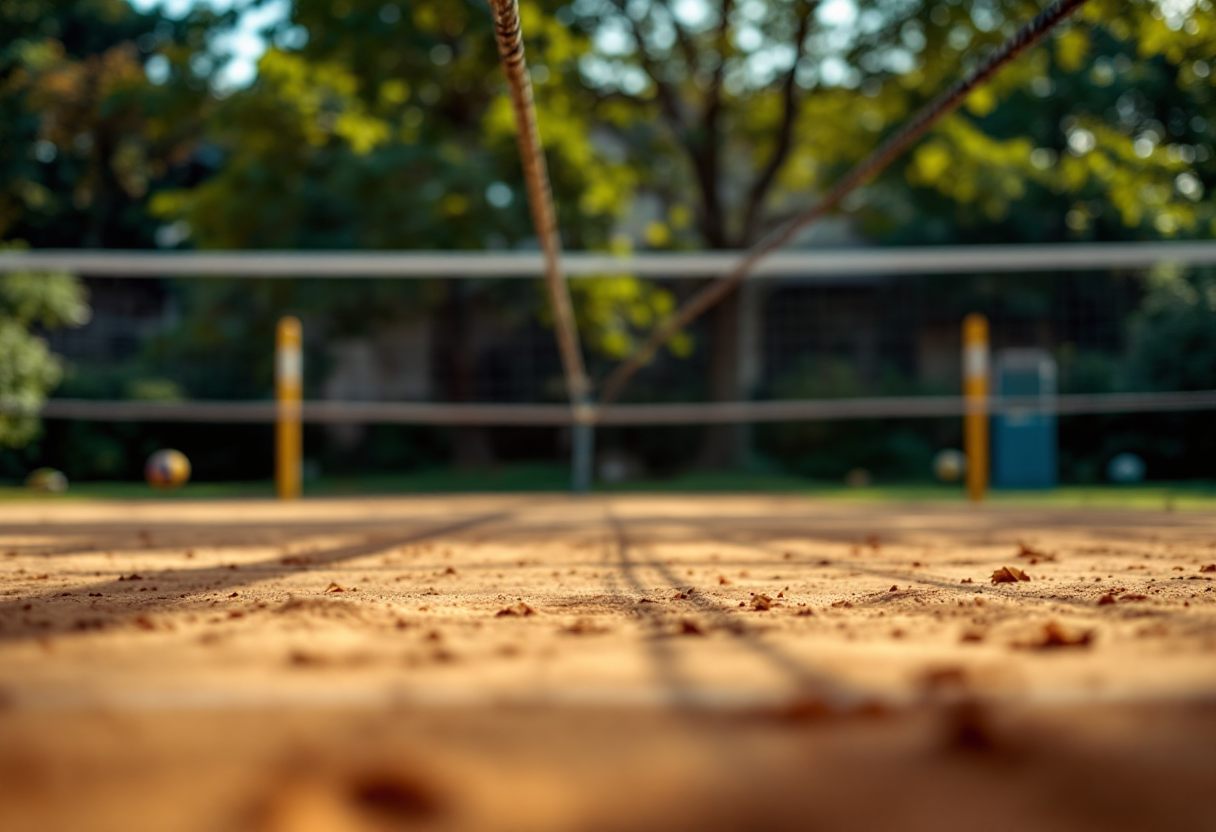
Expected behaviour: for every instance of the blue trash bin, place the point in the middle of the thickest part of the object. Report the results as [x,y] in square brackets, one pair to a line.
[1024,441]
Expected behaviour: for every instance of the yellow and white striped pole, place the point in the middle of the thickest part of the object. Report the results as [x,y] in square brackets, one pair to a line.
[975,397]
[289,394]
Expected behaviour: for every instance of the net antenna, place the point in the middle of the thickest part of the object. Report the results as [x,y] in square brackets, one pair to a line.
[945,103]
[509,36]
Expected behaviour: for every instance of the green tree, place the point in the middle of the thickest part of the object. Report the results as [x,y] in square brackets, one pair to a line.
[384,125]
[745,110]
[30,303]
[88,136]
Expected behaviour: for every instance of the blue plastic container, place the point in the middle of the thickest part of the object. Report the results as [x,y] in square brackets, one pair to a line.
[1024,441]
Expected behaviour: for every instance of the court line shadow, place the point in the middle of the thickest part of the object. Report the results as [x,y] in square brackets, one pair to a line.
[188,583]
[812,684]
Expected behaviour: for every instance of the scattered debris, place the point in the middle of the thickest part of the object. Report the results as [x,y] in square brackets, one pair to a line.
[966,581]
[761,602]
[1133,596]
[300,658]
[333,587]
[683,593]
[688,627]
[893,589]
[972,636]
[1106,599]
[1211,567]
[132,577]
[451,570]
[295,560]
[1009,575]
[723,580]
[518,609]
[937,679]
[1053,635]
[844,604]
[585,627]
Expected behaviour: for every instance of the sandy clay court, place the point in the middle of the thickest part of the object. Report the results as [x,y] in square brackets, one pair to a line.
[552,663]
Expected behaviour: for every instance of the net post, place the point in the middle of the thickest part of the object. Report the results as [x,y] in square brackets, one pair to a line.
[582,446]
[975,396]
[289,390]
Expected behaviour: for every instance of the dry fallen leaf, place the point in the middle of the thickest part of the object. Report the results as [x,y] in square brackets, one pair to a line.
[585,627]
[519,608]
[690,628]
[333,587]
[1053,636]
[1009,575]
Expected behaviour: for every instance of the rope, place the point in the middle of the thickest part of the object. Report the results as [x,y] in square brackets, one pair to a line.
[878,159]
[540,198]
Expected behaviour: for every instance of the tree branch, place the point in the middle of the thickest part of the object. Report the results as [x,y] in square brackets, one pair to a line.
[668,100]
[686,44]
[785,134]
[706,145]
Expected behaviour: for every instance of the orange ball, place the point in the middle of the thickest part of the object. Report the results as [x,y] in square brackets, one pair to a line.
[167,469]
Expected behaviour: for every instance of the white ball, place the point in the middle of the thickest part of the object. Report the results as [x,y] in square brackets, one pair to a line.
[1125,468]
[949,465]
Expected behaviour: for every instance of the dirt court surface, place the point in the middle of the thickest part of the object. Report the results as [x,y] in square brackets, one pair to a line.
[546,662]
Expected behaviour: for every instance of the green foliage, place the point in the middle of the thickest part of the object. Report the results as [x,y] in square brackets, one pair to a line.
[28,369]
[1173,344]
[88,137]
[830,449]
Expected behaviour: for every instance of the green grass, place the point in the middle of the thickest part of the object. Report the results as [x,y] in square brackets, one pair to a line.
[539,477]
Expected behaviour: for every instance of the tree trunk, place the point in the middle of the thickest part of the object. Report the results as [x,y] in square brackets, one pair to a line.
[735,368]
[472,442]
[720,444]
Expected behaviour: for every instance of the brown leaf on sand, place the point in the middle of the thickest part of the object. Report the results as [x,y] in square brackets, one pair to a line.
[761,602]
[1211,567]
[585,627]
[1053,635]
[518,609]
[333,587]
[688,627]
[1009,575]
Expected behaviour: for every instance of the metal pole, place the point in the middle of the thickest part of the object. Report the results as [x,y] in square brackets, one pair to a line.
[975,395]
[582,449]
[289,390]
